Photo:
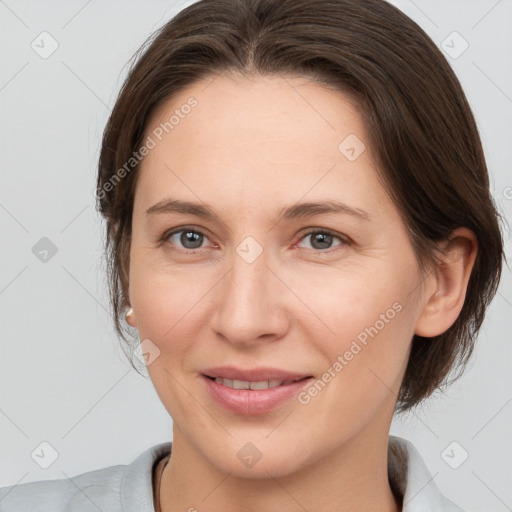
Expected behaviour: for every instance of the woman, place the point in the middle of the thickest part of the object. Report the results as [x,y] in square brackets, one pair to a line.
[300,229]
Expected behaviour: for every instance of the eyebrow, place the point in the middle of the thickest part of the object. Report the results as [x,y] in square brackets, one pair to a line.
[307,209]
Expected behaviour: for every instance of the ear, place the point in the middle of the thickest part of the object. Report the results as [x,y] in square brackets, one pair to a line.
[125,286]
[129,312]
[130,318]
[451,277]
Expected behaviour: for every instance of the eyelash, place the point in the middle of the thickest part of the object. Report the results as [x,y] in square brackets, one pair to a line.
[343,239]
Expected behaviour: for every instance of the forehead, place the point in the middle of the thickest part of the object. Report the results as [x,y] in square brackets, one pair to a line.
[264,108]
[263,135]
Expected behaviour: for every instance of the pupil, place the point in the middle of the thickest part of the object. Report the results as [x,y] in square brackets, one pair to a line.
[194,237]
[324,238]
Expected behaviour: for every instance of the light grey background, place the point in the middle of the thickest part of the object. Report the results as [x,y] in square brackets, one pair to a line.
[63,376]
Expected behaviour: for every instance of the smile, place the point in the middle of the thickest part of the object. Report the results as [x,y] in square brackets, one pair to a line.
[255,385]
[253,397]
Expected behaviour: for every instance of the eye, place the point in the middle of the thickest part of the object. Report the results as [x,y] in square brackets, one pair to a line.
[190,239]
[322,239]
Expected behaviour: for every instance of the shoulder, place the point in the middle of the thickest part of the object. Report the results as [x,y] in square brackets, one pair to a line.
[98,486]
[114,488]
[409,474]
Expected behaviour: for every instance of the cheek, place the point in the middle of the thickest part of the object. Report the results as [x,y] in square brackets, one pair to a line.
[168,303]
[169,308]
[367,323]
[364,363]
[347,302]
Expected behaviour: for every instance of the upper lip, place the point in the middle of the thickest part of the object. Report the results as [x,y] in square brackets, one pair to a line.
[253,374]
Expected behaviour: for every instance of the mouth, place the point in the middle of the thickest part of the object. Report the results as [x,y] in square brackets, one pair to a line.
[255,391]
[254,385]
[252,374]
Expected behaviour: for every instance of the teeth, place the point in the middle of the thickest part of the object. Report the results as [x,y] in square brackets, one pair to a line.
[240,384]
[245,384]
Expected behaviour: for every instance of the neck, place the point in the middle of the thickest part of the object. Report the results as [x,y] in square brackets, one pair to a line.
[354,477]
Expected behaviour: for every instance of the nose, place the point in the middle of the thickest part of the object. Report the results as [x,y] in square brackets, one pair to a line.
[251,306]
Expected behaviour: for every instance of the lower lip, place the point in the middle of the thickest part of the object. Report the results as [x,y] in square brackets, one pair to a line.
[251,402]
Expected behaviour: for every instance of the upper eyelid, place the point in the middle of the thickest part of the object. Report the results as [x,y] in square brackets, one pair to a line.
[310,231]
[344,239]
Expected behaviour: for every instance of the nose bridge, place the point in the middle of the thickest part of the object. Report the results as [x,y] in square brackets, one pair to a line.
[247,307]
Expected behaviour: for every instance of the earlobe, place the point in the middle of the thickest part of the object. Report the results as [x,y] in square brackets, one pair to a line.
[443,306]
[130,317]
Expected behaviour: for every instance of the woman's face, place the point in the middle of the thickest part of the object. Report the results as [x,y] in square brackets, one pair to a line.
[292,262]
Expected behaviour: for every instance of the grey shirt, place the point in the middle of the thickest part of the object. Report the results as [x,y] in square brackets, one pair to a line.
[129,488]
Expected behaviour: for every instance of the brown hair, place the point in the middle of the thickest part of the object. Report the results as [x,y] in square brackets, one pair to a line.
[420,126]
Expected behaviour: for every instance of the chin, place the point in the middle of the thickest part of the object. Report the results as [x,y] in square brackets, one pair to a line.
[263,469]
[259,460]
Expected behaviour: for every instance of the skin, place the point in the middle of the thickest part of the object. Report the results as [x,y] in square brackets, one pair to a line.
[250,147]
